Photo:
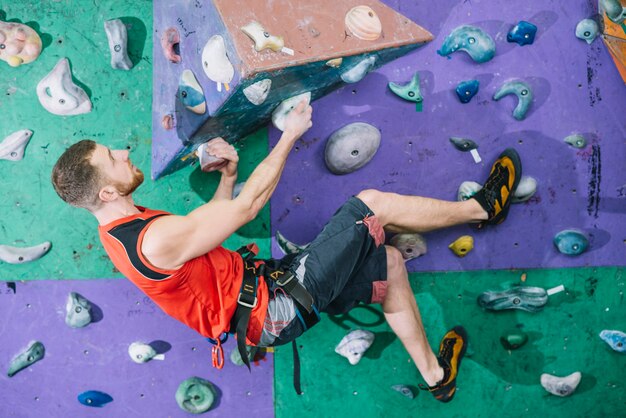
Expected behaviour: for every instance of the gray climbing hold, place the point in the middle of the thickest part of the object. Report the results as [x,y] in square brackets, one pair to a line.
[561,386]
[351,147]
[77,311]
[410,245]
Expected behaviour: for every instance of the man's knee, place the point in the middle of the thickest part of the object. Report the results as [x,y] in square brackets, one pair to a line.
[371,198]
[395,263]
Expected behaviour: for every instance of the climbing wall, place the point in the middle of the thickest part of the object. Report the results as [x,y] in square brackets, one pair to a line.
[577,89]
[96,358]
[207,39]
[33,295]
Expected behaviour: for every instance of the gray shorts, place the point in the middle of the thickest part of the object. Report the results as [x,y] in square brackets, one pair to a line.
[345,265]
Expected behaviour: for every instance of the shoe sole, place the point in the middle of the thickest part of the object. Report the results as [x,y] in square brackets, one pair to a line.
[517,166]
[463,334]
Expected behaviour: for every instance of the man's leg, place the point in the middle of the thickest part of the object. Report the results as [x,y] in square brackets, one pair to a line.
[403,316]
[400,213]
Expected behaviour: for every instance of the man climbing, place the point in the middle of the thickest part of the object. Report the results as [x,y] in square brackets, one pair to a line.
[178,261]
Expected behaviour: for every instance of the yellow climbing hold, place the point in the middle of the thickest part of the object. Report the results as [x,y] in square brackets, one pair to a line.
[462,245]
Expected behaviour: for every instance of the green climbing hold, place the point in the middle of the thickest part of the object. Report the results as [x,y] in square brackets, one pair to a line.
[410,91]
[513,339]
[195,395]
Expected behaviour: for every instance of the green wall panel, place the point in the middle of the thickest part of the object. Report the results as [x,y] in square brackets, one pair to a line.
[563,338]
[121,118]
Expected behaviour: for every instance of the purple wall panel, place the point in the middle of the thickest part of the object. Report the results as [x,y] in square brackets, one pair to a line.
[96,357]
[577,89]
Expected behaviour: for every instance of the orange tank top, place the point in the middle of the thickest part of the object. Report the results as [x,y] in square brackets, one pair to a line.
[202,293]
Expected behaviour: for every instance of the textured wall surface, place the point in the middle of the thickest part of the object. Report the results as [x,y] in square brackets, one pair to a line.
[577,89]
[493,382]
[120,119]
[96,357]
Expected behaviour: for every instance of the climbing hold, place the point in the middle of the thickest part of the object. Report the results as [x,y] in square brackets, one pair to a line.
[170,41]
[410,245]
[471,39]
[526,298]
[32,354]
[359,71]
[587,30]
[523,33]
[208,162]
[77,311]
[513,339]
[410,91]
[235,356]
[615,339]
[19,255]
[94,398]
[257,92]
[462,245]
[13,146]
[167,122]
[354,345]
[363,22]
[576,140]
[335,62]
[561,386]
[351,147]
[287,246]
[195,395]
[141,353]
[19,43]
[614,10]
[118,39]
[525,189]
[466,90]
[215,62]
[263,40]
[467,189]
[190,93]
[59,95]
[279,115]
[463,144]
[404,390]
[524,96]
[571,242]
[238,188]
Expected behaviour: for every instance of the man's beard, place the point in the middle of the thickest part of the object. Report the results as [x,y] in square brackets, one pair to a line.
[129,188]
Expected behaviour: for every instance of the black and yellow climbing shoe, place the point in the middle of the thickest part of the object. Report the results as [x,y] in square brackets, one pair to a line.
[451,351]
[495,196]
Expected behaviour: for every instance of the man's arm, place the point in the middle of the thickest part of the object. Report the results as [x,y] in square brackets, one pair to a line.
[172,240]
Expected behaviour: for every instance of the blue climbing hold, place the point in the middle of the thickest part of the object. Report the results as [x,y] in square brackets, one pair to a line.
[615,339]
[523,33]
[471,39]
[466,90]
[571,242]
[94,398]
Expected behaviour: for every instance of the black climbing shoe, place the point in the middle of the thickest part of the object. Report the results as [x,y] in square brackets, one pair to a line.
[451,351]
[495,196]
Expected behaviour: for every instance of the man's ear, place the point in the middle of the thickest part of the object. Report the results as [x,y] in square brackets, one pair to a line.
[108,194]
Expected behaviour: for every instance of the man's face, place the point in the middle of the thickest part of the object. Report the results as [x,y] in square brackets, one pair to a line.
[117,169]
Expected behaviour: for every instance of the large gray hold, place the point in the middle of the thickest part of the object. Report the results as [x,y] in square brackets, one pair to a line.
[351,147]
[78,311]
